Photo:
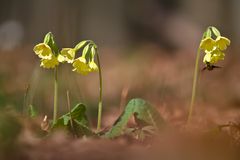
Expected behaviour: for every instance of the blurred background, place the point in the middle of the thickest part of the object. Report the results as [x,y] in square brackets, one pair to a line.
[147,49]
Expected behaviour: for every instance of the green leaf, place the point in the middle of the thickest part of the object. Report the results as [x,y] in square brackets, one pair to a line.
[216,31]
[80,44]
[143,113]
[79,124]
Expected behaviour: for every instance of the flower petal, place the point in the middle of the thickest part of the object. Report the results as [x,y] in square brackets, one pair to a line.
[43,51]
[68,54]
[207,44]
[222,42]
[49,63]
[80,65]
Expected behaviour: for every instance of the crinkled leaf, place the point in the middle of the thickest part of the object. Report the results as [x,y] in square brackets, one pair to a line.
[143,113]
[79,121]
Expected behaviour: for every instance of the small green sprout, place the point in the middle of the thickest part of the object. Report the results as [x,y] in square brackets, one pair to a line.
[213,44]
[50,57]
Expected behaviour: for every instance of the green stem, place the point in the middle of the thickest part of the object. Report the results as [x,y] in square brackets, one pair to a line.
[100,94]
[194,87]
[55,95]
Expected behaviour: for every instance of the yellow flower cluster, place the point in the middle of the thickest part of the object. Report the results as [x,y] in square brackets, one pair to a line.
[51,58]
[213,48]
[48,59]
[81,65]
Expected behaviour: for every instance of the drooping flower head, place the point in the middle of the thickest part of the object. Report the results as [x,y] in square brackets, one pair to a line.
[86,64]
[80,65]
[51,57]
[43,51]
[47,51]
[213,44]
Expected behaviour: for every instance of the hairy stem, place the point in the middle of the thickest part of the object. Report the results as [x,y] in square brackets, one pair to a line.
[55,105]
[100,94]
[194,87]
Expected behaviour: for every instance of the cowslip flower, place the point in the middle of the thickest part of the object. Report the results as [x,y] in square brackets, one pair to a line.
[213,56]
[93,66]
[43,51]
[80,65]
[49,63]
[213,48]
[222,42]
[207,44]
[67,55]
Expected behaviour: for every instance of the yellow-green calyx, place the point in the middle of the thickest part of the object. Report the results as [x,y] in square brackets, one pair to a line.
[93,66]
[213,47]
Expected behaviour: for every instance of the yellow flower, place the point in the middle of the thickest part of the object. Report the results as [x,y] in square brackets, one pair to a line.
[213,56]
[67,55]
[49,63]
[80,65]
[207,44]
[222,42]
[93,66]
[43,51]
[207,57]
[217,56]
